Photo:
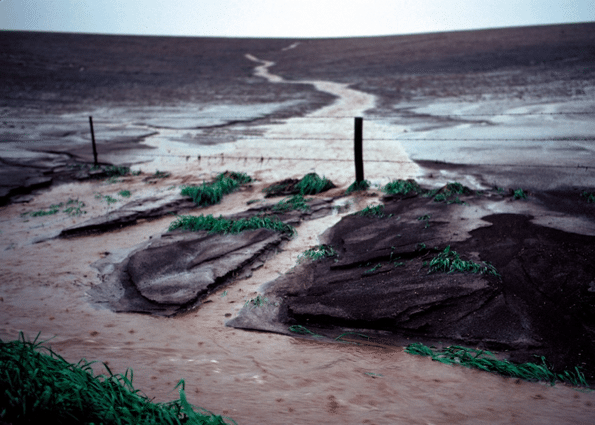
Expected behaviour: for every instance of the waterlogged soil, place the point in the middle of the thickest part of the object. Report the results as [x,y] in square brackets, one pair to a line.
[254,377]
[265,377]
[533,297]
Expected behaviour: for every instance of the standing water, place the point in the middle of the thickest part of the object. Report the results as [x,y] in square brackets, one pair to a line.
[253,377]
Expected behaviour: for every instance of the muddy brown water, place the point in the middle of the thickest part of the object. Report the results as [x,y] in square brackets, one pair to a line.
[255,378]
[252,377]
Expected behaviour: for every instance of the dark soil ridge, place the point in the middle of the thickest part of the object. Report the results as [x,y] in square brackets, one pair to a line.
[175,272]
[543,304]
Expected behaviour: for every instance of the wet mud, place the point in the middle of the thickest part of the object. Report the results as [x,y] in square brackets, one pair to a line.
[538,302]
[190,111]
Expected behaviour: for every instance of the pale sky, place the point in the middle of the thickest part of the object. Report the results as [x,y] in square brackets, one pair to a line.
[285,18]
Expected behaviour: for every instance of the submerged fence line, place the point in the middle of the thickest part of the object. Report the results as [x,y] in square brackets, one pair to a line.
[264,159]
[358,138]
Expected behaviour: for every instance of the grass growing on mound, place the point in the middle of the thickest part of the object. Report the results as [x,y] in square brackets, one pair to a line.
[372,211]
[484,360]
[311,184]
[590,197]
[212,193]
[115,171]
[225,225]
[296,202]
[519,194]
[447,192]
[358,186]
[317,253]
[449,261]
[401,187]
[39,386]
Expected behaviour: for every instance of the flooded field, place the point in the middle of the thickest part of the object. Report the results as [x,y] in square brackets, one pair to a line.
[265,378]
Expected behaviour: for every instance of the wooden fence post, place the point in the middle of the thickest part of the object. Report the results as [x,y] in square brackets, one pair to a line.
[93,141]
[357,148]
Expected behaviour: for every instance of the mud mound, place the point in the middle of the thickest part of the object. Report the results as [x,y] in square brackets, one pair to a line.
[541,303]
[310,184]
[174,272]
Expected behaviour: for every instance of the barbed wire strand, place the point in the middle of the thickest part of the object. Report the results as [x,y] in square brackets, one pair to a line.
[222,157]
[372,139]
[262,159]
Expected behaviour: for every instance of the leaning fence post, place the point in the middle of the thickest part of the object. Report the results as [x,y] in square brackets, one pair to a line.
[93,141]
[357,149]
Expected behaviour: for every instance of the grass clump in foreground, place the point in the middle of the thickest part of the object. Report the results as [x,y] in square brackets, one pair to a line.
[318,253]
[484,360]
[39,386]
[401,187]
[358,186]
[212,193]
[449,261]
[226,225]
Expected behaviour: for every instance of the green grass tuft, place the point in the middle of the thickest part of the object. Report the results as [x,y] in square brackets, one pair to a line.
[241,178]
[124,193]
[115,171]
[212,193]
[160,174]
[53,209]
[73,208]
[318,253]
[426,219]
[358,186]
[259,301]
[106,198]
[225,225]
[39,386]
[312,183]
[401,187]
[373,269]
[484,360]
[295,202]
[446,193]
[519,194]
[590,197]
[457,189]
[372,211]
[449,261]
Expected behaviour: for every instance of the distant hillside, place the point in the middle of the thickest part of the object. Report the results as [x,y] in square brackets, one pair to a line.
[557,60]
[68,69]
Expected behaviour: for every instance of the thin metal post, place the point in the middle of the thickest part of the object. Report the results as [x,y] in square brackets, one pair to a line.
[357,149]
[93,141]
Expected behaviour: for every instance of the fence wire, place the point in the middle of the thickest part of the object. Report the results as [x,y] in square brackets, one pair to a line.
[7,124]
